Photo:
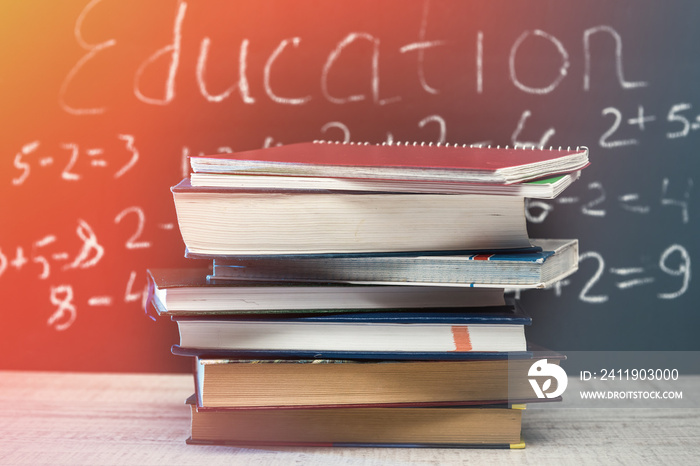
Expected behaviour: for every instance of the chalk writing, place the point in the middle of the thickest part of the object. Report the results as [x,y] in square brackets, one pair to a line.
[442,135]
[515,138]
[174,50]
[134,241]
[537,211]
[678,123]
[681,203]
[266,78]
[560,50]
[65,314]
[618,58]
[342,127]
[421,46]
[39,259]
[28,158]
[675,116]
[604,142]
[91,251]
[242,84]
[3,263]
[93,49]
[641,119]
[63,298]
[631,278]
[584,295]
[551,49]
[683,270]
[20,164]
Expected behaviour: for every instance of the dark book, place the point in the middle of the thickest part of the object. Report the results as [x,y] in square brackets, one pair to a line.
[382,332]
[548,262]
[437,427]
[398,161]
[228,221]
[408,355]
[190,292]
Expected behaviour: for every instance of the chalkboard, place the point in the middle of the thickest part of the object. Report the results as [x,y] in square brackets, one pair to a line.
[102,102]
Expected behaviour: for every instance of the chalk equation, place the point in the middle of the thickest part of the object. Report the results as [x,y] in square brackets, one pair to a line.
[674,261]
[63,299]
[69,156]
[598,203]
[91,251]
[680,121]
[44,258]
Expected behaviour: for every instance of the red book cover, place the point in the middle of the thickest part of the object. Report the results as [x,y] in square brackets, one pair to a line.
[399,161]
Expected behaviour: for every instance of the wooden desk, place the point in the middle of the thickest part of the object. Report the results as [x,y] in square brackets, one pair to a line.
[95,419]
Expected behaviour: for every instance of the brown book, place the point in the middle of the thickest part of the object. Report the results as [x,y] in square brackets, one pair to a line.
[225,383]
[497,427]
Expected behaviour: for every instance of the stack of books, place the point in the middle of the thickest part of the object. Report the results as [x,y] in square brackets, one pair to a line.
[355,294]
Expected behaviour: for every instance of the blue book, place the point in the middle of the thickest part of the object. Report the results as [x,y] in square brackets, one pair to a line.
[545,263]
[348,335]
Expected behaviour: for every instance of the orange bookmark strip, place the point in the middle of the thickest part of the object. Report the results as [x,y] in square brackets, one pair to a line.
[460,335]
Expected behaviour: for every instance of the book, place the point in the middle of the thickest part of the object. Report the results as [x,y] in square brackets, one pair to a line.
[228,221]
[438,427]
[547,188]
[188,291]
[360,333]
[398,161]
[547,262]
[408,355]
[269,383]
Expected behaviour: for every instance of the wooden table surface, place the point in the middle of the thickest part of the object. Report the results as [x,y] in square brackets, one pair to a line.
[95,419]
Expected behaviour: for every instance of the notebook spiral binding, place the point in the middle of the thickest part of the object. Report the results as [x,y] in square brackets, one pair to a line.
[447,144]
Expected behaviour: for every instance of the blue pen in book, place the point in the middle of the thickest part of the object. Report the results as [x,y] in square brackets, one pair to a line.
[546,262]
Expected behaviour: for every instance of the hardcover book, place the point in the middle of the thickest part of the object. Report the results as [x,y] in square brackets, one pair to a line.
[190,292]
[382,332]
[287,383]
[436,427]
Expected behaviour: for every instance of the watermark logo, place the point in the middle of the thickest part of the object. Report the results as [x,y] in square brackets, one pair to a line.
[542,368]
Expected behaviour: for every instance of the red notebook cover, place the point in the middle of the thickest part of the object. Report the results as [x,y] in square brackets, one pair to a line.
[414,157]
